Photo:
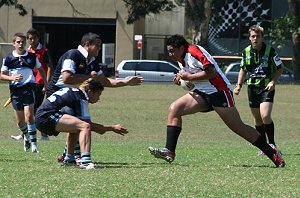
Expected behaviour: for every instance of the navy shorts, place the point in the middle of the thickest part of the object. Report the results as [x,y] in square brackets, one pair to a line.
[22,96]
[47,123]
[256,96]
[218,99]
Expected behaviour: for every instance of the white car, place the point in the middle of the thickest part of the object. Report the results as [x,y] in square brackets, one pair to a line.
[232,73]
[150,70]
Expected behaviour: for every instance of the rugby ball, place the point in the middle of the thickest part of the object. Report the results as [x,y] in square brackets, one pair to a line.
[187,85]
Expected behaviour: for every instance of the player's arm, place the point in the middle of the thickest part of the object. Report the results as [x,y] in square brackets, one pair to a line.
[101,129]
[5,76]
[49,65]
[110,82]
[41,70]
[209,72]
[241,79]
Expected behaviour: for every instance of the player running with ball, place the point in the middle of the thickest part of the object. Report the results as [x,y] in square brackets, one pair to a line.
[212,92]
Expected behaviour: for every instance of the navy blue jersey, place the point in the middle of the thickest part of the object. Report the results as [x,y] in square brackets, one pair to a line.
[21,64]
[73,98]
[75,62]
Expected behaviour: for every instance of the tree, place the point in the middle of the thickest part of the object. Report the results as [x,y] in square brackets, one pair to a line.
[294,7]
[18,6]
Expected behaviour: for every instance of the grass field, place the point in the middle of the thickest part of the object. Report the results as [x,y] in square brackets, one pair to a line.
[211,161]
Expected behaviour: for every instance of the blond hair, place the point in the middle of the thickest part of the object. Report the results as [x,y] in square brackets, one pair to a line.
[91,85]
[257,29]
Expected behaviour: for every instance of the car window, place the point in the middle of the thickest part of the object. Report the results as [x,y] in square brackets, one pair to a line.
[130,66]
[164,67]
[235,68]
[147,66]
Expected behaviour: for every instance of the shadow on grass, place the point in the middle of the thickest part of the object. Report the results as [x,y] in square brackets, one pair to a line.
[133,165]
[252,166]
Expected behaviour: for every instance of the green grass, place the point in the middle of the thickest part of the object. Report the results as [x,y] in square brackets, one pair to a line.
[211,161]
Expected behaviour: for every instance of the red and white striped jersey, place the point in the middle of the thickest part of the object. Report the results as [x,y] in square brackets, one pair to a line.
[195,60]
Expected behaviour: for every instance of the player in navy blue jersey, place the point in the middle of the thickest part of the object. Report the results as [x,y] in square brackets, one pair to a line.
[77,65]
[17,68]
[67,111]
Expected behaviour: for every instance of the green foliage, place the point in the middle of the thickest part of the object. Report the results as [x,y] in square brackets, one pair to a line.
[137,8]
[282,29]
[18,6]
[211,160]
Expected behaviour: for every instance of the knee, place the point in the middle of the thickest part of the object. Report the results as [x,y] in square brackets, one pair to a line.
[86,127]
[172,109]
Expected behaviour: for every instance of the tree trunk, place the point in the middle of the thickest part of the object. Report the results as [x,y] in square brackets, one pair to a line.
[294,7]
[201,26]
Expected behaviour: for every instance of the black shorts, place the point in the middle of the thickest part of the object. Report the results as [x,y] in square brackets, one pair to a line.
[256,96]
[47,123]
[22,96]
[218,99]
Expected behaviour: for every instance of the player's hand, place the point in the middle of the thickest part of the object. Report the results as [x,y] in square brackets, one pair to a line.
[135,80]
[270,86]
[119,129]
[94,74]
[237,90]
[18,77]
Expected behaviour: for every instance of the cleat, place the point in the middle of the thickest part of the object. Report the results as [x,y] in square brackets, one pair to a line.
[278,160]
[26,143]
[162,153]
[87,166]
[44,138]
[17,137]
[34,149]
[78,161]
[261,153]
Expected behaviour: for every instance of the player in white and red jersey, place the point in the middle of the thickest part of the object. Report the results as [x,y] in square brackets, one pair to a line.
[212,91]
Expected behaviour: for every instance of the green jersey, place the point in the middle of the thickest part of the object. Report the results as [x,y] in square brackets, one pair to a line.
[261,64]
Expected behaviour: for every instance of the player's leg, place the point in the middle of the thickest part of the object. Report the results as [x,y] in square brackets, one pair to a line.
[72,124]
[39,98]
[265,111]
[29,118]
[232,119]
[20,118]
[187,104]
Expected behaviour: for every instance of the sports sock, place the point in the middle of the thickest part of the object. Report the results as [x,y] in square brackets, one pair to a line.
[86,157]
[173,133]
[261,130]
[76,151]
[264,147]
[24,129]
[269,128]
[32,133]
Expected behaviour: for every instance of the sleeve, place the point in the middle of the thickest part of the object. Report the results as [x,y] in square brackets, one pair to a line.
[243,65]
[37,63]
[4,66]
[46,57]
[68,65]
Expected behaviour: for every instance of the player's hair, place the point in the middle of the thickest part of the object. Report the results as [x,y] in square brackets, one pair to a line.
[177,41]
[33,32]
[257,29]
[21,35]
[92,85]
[89,38]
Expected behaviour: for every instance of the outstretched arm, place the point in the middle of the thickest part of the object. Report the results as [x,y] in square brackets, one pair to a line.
[101,129]
[110,82]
